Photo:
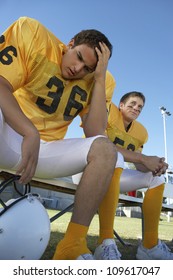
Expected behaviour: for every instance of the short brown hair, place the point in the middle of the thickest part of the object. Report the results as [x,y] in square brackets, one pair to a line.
[126,96]
[92,37]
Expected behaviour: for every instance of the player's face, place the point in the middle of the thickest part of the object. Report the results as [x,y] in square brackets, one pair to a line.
[78,61]
[132,108]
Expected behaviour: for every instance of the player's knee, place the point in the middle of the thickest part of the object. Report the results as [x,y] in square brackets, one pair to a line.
[156,181]
[103,150]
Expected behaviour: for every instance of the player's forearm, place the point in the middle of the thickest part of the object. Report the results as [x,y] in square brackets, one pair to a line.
[144,163]
[96,120]
[141,167]
[130,156]
[11,111]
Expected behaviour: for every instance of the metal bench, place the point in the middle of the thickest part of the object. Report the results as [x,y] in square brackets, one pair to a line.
[63,185]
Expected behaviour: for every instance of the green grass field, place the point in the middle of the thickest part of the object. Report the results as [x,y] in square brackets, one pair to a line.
[129,229]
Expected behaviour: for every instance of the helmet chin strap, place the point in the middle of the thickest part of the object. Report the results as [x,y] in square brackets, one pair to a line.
[4,184]
[13,180]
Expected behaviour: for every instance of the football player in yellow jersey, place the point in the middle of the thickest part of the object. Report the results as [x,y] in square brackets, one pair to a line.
[44,85]
[129,136]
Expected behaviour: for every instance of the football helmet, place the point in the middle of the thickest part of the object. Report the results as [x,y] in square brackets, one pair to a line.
[24,228]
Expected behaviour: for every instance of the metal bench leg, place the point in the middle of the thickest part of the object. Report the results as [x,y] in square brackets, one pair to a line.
[119,238]
[69,208]
[61,212]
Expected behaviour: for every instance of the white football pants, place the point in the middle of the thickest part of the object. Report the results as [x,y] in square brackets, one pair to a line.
[56,158]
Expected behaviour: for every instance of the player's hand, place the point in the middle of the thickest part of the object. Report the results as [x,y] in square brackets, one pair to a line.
[155,164]
[30,151]
[163,168]
[102,64]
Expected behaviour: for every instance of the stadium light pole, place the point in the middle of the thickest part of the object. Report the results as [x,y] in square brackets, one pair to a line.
[164,114]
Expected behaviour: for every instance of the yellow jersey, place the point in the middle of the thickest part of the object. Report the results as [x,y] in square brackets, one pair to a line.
[133,139]
[30,59]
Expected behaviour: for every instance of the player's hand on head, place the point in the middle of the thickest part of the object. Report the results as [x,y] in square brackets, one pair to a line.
[103,58]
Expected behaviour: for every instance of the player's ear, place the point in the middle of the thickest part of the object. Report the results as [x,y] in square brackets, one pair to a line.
[121,105]
[70,44]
